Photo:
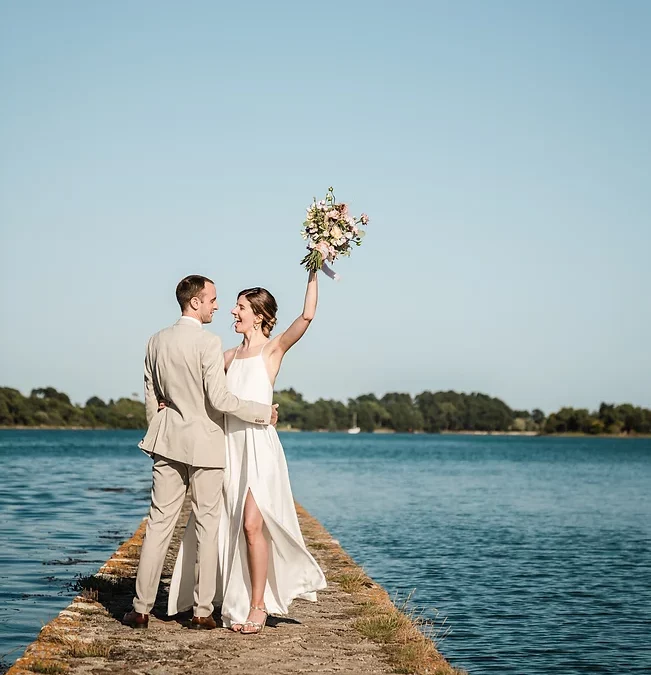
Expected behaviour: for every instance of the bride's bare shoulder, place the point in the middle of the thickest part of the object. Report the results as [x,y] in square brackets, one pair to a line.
[229,355]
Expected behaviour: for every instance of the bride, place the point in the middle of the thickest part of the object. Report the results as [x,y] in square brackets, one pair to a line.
[263,561]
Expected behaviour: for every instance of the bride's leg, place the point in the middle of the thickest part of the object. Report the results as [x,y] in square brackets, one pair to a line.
[257,554]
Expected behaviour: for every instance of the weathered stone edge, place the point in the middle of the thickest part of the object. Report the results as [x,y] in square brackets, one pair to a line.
[124,563]
[412,652]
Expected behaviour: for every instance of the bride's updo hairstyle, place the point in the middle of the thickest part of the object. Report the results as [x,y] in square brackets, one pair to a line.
[264,304]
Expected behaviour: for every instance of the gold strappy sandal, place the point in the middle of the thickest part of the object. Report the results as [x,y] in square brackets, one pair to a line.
[254,624]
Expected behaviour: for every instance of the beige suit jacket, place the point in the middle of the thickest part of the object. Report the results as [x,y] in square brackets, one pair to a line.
[184,367]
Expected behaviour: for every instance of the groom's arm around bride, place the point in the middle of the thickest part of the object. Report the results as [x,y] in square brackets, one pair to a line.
[184,367]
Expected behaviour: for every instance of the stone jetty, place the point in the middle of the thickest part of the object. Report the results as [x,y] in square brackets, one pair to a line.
[354,628]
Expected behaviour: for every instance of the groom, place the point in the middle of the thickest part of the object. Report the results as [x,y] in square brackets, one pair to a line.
[184,367]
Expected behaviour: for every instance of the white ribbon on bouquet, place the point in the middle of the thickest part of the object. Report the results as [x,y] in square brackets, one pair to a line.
[329,272]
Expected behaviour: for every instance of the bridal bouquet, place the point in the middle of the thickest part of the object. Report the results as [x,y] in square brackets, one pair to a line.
[330,232]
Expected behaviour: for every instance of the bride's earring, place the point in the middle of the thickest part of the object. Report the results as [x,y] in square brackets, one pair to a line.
[256,326]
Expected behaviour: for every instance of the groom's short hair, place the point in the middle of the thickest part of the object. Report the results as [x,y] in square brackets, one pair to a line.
[189,288]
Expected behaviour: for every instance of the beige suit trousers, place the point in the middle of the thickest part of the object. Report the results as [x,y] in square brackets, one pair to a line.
[170,482]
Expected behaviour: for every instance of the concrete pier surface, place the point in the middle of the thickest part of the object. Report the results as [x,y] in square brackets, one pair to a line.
[354,627]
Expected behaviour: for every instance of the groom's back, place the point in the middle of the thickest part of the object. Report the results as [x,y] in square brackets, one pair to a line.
[186,427]
[175,357]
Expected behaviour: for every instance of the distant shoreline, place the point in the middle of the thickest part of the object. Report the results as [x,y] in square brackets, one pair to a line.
[19,427]
[527,434]
[395,412]
[577,434]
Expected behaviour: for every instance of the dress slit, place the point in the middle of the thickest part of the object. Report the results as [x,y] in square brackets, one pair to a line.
[255,464]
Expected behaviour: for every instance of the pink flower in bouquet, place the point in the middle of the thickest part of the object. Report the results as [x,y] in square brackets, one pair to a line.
[364,219]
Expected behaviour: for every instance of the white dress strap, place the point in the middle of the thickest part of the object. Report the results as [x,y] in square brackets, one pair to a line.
[237,349]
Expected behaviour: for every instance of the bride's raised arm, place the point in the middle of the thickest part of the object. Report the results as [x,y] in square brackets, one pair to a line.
[296,331]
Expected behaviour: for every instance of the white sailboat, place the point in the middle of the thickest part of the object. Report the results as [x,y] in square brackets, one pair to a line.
[354,429]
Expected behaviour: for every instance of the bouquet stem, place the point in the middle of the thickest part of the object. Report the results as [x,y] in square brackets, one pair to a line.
[313,261]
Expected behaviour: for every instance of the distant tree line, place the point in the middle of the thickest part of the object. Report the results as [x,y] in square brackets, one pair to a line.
[51,408]
[430,412]
[434,412]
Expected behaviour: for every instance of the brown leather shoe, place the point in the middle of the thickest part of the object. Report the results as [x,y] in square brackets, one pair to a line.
[135,619]
[203,622]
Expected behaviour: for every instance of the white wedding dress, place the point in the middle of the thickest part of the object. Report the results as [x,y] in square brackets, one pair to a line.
[254,461]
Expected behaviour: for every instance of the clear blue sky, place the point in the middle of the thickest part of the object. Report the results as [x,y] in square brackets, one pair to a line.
[502,150]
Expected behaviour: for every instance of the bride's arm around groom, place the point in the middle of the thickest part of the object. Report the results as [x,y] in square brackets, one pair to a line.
[217,392]
[184,367]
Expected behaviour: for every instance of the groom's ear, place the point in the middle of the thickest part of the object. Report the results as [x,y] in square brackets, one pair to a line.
[195,302]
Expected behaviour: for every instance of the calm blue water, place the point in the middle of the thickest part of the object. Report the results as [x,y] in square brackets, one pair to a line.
[538,551]
[67,499]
